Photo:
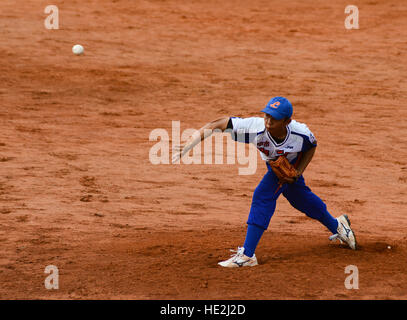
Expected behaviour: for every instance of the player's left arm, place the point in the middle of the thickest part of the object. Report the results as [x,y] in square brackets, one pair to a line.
[305,159]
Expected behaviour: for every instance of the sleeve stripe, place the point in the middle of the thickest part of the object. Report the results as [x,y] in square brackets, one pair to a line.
[230,124]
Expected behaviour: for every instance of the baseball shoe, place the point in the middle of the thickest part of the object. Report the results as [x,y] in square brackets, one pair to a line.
[345,233]
[239,259]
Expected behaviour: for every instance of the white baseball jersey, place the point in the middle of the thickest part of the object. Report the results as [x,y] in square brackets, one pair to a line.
[252,130]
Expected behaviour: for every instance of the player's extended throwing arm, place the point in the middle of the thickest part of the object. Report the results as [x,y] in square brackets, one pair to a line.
[198,136]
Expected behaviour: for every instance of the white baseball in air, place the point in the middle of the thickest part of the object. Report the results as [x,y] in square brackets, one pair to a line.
[78,49]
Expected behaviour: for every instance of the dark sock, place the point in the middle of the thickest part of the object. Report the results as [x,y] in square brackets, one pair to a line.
[253,236]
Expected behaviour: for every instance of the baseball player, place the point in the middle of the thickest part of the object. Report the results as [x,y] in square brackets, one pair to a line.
[287,147]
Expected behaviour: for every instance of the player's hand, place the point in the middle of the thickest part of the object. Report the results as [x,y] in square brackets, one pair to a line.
[178,152]
[289,180]
[286,180]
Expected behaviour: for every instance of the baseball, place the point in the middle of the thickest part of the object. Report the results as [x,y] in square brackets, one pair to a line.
[388,247]
[77,49]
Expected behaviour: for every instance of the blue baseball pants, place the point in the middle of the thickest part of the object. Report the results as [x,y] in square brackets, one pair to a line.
[299,196]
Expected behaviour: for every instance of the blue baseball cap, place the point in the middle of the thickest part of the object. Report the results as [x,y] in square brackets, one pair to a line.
[279,108]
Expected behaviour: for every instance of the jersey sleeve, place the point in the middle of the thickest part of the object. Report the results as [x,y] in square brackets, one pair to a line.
[309,142]
[245,129]
[305,133]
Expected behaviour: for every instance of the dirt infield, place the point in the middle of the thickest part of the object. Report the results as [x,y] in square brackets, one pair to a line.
[77,189]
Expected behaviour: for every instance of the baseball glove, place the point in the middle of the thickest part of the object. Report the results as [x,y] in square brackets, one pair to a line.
[284,170]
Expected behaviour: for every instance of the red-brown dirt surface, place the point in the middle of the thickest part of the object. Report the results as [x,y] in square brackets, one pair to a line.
[77,189]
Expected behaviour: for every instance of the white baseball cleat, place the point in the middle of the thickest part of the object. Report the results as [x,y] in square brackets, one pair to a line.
[239,259]
[345,233]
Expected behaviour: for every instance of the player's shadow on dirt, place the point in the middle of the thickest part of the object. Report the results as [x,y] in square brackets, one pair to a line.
[315,252]
[378,246]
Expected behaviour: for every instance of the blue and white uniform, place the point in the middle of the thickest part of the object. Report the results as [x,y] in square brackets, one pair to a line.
[252,130]
[299,139]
